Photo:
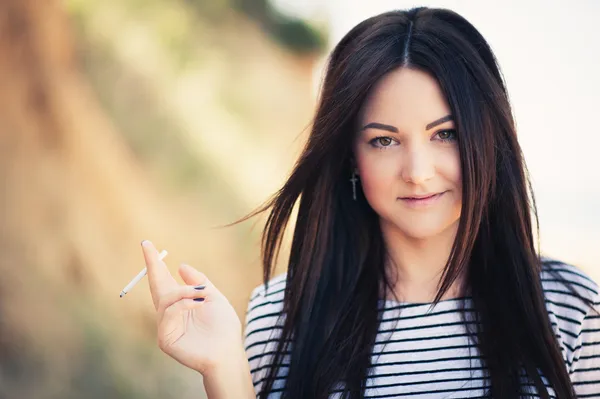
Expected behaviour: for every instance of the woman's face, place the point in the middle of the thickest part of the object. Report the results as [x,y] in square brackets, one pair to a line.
[406,149]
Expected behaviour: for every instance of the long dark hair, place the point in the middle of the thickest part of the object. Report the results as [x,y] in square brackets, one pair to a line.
[336,275]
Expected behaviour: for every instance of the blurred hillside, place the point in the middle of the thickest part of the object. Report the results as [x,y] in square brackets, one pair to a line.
[122,121]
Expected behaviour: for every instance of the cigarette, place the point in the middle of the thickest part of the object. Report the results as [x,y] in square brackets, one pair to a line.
[140,276]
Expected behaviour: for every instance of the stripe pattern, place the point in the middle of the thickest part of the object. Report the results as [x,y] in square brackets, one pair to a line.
[425,352]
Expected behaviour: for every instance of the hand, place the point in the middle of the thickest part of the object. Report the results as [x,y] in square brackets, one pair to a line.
[197,325]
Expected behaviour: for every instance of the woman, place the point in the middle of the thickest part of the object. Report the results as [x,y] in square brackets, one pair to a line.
[413,271]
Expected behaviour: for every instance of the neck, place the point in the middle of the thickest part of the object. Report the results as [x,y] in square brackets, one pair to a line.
[416,265]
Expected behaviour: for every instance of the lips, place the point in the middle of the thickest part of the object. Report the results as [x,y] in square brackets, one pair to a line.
[420,197]
[420,201]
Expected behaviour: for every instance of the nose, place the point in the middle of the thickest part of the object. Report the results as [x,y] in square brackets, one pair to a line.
[417,165]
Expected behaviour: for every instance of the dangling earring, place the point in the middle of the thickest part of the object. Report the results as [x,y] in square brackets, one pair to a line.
[354,180]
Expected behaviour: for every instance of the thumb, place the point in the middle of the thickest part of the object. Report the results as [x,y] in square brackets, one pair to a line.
[191,276]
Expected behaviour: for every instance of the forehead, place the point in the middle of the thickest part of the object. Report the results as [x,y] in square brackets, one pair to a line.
[404,97]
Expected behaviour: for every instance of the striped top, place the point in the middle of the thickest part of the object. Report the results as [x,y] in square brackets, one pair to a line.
[425,353]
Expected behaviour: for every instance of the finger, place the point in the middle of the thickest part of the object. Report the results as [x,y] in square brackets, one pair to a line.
[159,277]
[191,276]
[182,292]
[184,304]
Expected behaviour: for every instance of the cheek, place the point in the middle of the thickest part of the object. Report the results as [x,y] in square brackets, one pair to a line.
[377,175]
[451,170]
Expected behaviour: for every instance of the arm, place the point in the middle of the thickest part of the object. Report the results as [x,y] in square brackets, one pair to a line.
[586,365]
[231,379]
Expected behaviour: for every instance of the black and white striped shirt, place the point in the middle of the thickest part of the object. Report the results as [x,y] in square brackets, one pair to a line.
[425,353]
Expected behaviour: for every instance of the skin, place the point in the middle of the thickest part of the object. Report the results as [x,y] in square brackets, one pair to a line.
[205,336]
[406,146]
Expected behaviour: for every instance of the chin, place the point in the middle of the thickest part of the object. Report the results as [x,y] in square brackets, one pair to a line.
[422,230]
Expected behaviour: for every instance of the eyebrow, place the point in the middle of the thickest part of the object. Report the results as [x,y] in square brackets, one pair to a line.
[438,122]
[393,129]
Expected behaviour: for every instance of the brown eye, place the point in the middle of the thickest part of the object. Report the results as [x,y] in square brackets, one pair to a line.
[384,141]
[447,135]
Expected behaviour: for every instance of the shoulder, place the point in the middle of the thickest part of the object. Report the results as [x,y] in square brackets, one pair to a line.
[265,311]
[572,301]
[266,299]
[264,322]
[567,283]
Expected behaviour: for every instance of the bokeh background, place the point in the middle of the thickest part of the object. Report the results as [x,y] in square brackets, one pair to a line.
[123,120]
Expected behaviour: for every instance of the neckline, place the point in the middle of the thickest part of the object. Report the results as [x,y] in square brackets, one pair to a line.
[398,304]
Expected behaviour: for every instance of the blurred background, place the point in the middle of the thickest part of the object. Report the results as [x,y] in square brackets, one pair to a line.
[123,120]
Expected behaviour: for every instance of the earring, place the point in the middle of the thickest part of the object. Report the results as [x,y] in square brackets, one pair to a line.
[354,180]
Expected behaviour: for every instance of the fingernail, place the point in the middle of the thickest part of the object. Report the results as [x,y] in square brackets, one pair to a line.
[199,299]
[146,243]
[199,287]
